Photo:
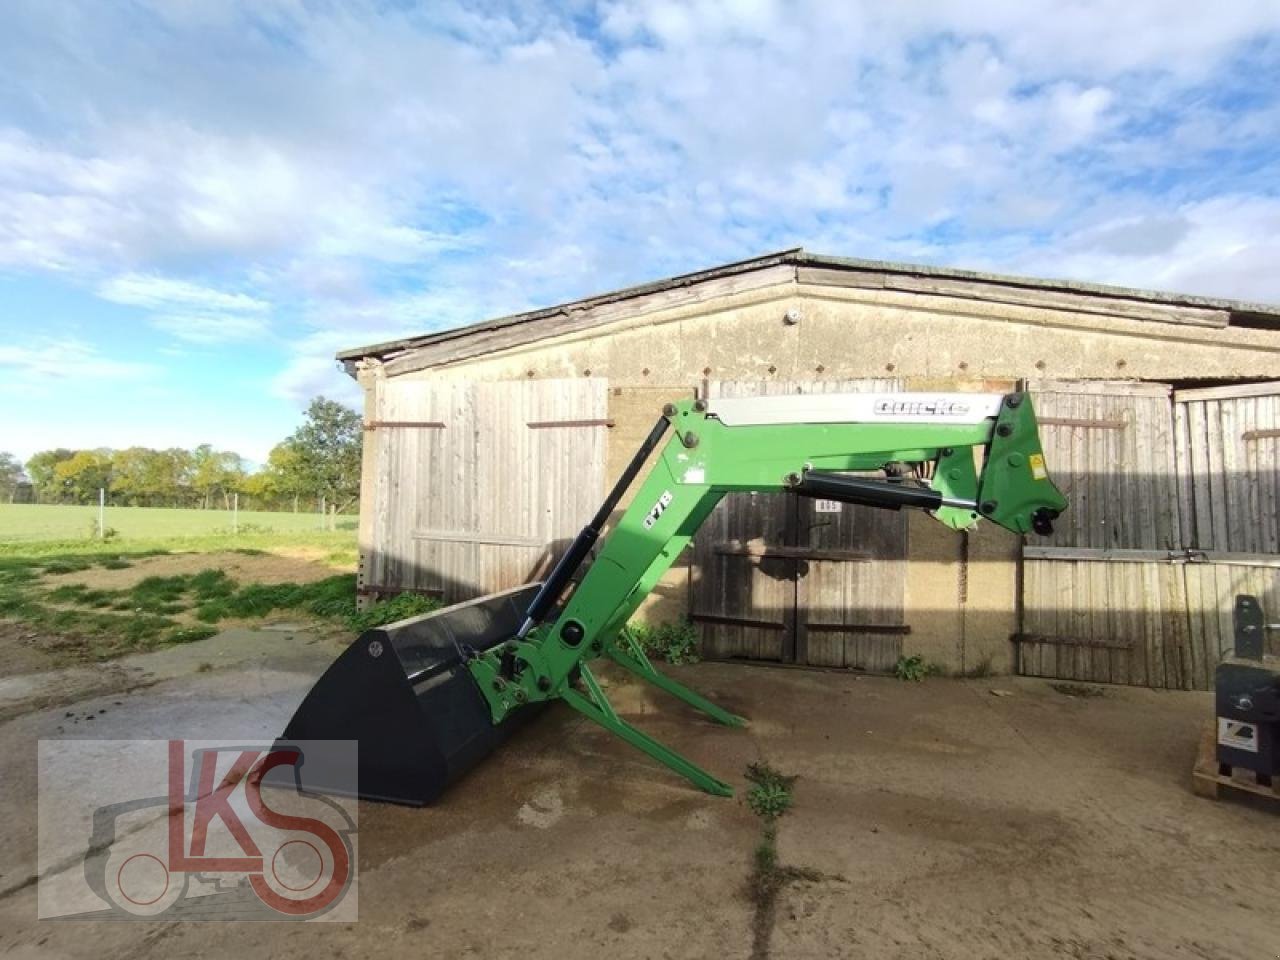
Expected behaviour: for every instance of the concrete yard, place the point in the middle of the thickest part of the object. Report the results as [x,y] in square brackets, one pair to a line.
[934,820]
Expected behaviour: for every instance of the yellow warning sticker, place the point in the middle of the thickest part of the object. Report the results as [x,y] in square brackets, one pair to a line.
[1036,462]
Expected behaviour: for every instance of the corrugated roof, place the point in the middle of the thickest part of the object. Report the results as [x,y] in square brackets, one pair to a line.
[1239,312]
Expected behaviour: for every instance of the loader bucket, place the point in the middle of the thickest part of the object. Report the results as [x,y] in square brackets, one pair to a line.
[404,692]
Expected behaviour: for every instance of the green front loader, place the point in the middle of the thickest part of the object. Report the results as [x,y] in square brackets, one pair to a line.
[429,697]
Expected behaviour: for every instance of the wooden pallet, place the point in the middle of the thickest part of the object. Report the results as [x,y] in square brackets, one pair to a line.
[1208,781]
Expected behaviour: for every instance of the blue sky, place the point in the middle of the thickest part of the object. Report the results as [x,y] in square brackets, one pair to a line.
[202,200]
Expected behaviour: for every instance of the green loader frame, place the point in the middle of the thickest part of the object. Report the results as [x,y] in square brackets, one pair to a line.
[962,457]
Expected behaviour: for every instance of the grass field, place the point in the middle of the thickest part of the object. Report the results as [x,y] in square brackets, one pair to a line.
[41,522]
[182,591]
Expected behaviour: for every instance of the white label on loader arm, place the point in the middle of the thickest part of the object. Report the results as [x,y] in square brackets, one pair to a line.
[657,509]
[857,408]
[1238,735]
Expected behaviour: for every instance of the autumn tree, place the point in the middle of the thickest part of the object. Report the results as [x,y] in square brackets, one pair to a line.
[280,479]
[145,477]
[41,467]
[215,472]
[80,477]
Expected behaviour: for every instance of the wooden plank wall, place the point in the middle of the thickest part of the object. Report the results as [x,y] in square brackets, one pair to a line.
[1094,593]
[864,596]
[469,497]
[1149,622]
[1211,590]
[1109,447]
[1175,509]
[1229,453]
[868,596]
[753,565]
[745,602]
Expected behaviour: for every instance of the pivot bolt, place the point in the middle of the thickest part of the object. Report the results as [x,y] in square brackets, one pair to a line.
[521,696]
[988,507]
[690,439]
[1013,399]
[668,409]
[700,406]
[1004,430]
[544,684]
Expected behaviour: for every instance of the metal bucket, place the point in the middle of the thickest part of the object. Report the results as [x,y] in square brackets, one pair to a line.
[404,692]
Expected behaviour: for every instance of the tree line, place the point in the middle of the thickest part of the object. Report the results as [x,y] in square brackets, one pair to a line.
[321,459]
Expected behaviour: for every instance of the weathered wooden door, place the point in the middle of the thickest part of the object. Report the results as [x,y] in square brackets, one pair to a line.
[478,486]
[1229,454]
[850,585]
[1101,600]
[789,579]
[1228,441]
[1173,512]
[744,592]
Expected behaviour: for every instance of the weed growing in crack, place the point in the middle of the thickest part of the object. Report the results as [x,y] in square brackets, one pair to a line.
[769,798]
[770,793]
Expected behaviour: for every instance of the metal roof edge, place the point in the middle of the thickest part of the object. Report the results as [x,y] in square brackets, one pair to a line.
[800,257]
[1037,283]
[585,303]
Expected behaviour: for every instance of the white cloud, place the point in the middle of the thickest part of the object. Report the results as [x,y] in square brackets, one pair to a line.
[384,169]
[155,293]
[212,328]
[1228,246]
[39,362]
[313,371]
[189,311]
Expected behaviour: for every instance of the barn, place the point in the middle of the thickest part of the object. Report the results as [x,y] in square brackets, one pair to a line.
[487,446]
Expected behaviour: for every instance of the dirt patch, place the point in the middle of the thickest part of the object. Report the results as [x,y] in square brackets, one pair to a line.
[295,566]
[23,650]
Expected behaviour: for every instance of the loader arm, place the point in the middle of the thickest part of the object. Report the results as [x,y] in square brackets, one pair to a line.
[805,444]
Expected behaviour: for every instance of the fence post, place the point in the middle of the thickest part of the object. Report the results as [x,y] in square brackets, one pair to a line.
[102,513]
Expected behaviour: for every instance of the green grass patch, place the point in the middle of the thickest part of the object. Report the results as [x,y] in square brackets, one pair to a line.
[190,634]
[211,611]
[68,593]
[333,598]
[403,607]
[914,669]
[211,585]
[673,642]
[83,622]
[69,565]
[343,558]
[770,793]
